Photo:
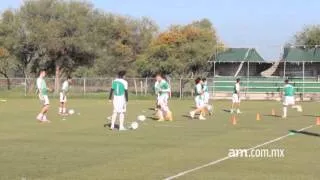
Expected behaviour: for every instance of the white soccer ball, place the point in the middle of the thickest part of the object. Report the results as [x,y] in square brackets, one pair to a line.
[71,111]
[134,125]
[210,108]
[141,118]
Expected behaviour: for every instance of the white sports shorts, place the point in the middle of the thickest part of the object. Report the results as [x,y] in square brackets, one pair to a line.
[235,98]
[63,99]
[119,104]
[199,101]
[44,99]
[163,100]
[288,100]
[206,97]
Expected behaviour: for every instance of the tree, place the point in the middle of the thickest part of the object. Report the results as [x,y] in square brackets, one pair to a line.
[181,50]
[309,36]
[7,65]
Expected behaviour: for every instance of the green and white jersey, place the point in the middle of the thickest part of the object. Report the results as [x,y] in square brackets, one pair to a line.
[198,89]
[119,87]
[236,88]
[205,87]
[157,87]
[42,86]
[164,87]
[288,90]
[65,86]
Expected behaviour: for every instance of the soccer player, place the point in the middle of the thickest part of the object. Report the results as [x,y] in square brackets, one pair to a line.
[288,99]
[157,89]
[164,112]
[199,99]
[119,92]
[63,96]
[206,95]
[43,96]
[236,97]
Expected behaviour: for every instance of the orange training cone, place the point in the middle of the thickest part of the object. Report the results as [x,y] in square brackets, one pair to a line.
[258,117]
[318,121]
[273,112]
[234,120]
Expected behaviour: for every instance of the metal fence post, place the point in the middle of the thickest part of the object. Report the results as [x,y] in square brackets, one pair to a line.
[84,86]
[180,88]
[25,87]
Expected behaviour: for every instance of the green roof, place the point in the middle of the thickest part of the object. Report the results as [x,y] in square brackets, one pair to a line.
[297,54]
[238,55]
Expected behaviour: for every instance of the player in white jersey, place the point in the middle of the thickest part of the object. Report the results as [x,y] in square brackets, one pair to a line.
[119,92]
[236,97]
[156,90]
[43,96]
[206,96]
[63,96]
[199,100]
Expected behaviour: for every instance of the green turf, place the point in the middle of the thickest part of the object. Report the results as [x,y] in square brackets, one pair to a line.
[81,148]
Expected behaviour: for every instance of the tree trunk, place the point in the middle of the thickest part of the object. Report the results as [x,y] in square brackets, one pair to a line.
[8,81]
[57,79]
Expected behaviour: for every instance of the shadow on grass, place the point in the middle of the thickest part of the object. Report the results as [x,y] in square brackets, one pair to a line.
[269,115]
[153,118]
[309,115]
[226,110]
[108,125]
[305,133]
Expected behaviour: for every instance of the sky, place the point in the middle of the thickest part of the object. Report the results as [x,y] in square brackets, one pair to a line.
[262,24]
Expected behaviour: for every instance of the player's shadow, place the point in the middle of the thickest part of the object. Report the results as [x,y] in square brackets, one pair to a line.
[226,110]
[305,133]
[270,115]
[310,115]
[153,118]
[116,126]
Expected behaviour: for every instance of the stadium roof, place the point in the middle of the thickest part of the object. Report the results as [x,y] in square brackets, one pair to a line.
[300,54]
[239,55]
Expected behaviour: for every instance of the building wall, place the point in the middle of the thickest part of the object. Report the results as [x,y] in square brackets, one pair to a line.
[295,69]
[229,69]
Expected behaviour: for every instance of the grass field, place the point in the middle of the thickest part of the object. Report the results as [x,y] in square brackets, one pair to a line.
[81,148]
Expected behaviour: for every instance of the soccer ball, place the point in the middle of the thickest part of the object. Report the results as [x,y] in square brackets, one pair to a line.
[134,125]
[141,118]
[210,108]
[71,111]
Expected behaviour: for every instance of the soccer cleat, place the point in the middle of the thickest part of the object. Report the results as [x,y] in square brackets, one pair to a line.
[231,111]
[160,120]
[238,111]
[122,129]
[299,109]
[192,114]
[169,116]
[284,117]
[202,118]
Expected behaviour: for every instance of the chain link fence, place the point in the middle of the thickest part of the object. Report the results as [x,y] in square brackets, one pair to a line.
[180,87]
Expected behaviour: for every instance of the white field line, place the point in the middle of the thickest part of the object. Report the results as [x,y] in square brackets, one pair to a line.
[228,157]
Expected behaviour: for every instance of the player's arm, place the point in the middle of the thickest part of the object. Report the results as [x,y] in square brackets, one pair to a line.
[111,93]
[126,91]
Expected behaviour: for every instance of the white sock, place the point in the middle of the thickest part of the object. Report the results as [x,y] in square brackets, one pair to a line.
[40,116]
[64,110]
[121,119]
[285,109]
[60,110]
[238,110]
[113,119]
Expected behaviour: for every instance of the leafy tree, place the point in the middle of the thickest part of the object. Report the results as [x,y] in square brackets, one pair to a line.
[7,64]
[309,36]
[181,50]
